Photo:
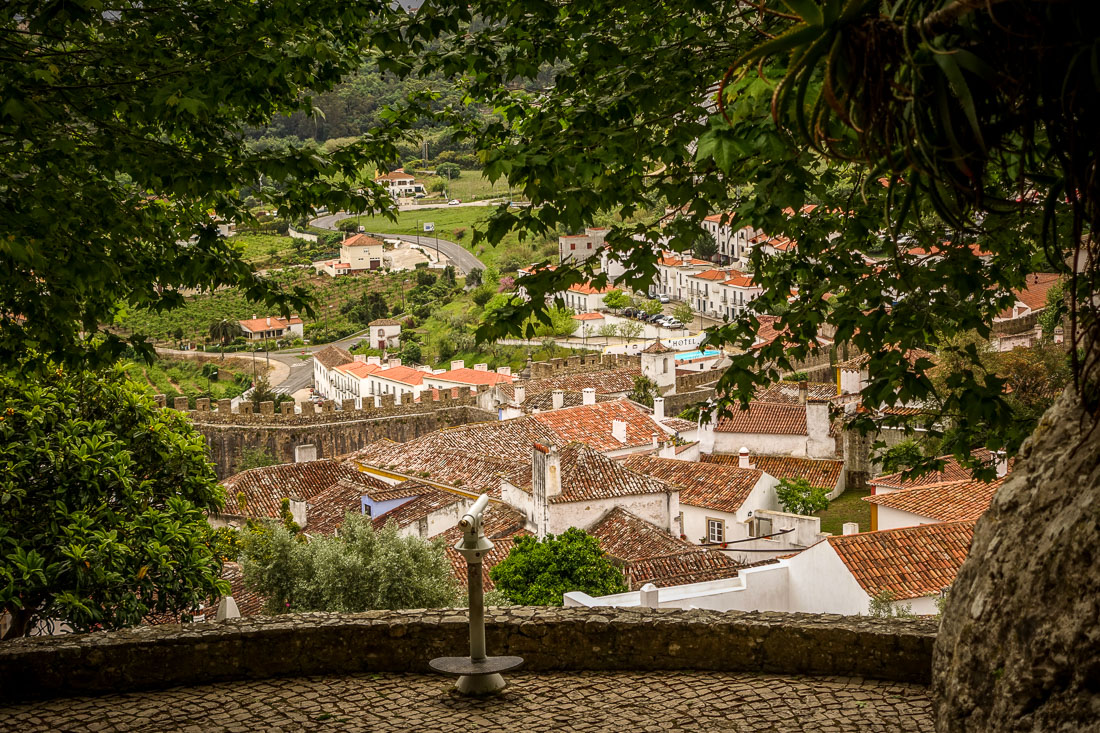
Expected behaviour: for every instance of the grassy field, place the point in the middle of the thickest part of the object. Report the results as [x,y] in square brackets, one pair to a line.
[458,224]
[472,186]
[266,250]
[848,507]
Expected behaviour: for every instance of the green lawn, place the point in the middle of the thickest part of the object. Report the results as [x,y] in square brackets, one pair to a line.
[267,250]
[472,186]
[457,223]
[848,507]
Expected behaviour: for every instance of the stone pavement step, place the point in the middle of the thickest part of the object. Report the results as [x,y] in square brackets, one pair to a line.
[558,701]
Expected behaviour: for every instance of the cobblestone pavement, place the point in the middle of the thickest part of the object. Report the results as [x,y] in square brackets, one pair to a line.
[583,701]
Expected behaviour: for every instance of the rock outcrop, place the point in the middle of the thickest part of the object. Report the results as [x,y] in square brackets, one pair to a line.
[1019,645]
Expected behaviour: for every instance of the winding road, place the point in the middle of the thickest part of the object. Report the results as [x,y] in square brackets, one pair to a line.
[455,252]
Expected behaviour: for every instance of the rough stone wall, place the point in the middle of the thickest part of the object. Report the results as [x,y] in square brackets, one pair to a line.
[404,641]
[1019,648]
[586,363]
[677,403]
[334,433]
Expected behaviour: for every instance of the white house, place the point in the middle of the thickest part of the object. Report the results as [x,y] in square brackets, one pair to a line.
[822,473]
[459,376]
[581,247]
[837,575]
[272,327]
[733,242]
[954,501]
[717,503]
[575,486]
[672,273]
[324,362]
[588,324]
[773,429]
[584,298]
[358,252]
[385,333]
[400,184]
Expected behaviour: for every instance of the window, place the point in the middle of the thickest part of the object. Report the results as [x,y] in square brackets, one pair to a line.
[716,530]
[572,245]
[664,364]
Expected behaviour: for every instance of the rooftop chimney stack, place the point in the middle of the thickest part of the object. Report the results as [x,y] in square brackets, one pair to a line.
[520,395]
[618,430]
[557,399]
[504,371]
[458,364]
[1002,463]
[298,511]
[803,391]
[393,363]
[850,528]
[376,360]
[743,458]
[658,408]
[588,396]
[656,442]
[481,367]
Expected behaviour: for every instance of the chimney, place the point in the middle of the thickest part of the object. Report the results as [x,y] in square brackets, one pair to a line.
[254,316]
[505,371]
[1002,463]
[303,453]
[685,258]
[393,363]
[227,609]
[618,430]
[481,367]
[648,596]
[588,396]
[658,408]
[656,444]
[743,458]
[803,391]
[376,360]
[458,364]
[545,483]
[361,357]
[557,399]
[269,321]
[520,394]
[298,511]
[668,450]
[850,528]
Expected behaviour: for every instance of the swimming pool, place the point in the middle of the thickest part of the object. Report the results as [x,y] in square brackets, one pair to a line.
[696,354]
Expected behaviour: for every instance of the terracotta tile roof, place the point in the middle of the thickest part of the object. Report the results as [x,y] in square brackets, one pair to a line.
[605,381]
[402,374]
[395,175]
[741,280]
[326,511]
[265,488]
[428,500]
[719,217]
[858,362]
[592,424]
[587,474]
[499,521]
[628,538]
[587,289]
[704,485]
[384,322]
[678,424]
[767,333]
[936,250]
[500,550]
[588,317]
[765,418]
[698,566]
[361,240]
[909,562]
[823,473]
[787,392]
[359,369]
[657,348]
[249,603]
[333,356]
[711,275]
[955,501]
[951,471]
[472,376]
[1034,293]
[672,259]
[545,401]
[269,324]
[454,467]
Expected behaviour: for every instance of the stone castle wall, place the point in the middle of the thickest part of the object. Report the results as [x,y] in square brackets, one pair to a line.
[333,431]
[586,363]
[547,638]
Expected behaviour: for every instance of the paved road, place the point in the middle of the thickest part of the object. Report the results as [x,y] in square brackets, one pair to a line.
[455,252]
[532,702]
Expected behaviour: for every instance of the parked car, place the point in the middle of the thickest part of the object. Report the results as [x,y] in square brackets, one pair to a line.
[662,299]
[420,196]
[630,312]
[673,323]
[656,318]
[453,202]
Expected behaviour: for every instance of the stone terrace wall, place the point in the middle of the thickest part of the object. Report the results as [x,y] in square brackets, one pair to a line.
[404,641]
